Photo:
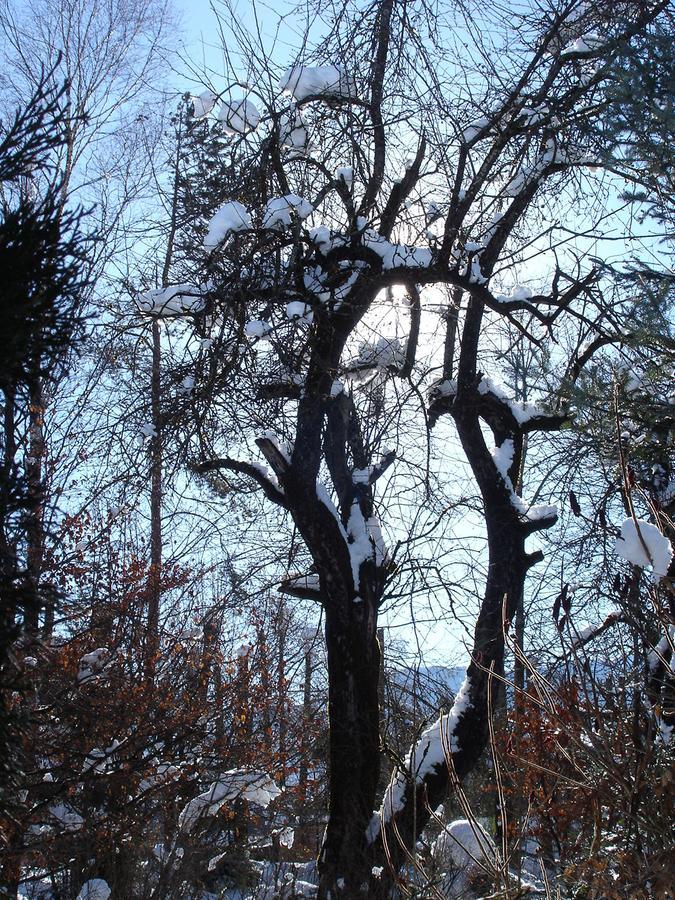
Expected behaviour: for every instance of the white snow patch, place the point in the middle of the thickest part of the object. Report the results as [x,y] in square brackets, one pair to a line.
[503,460]
[256,787]
[346,173]
[203,104]
[308,81]
[464,845]
[257,329]
[292,131]
[94,889]
[67,817]
[175,300]
[522,411]
[94,663]
[163,773]
[472,131]
[642,544]
[309,582]
[99,760]
[585,44]
[428,754]
[660,653]
[396,256]
[287,837]
[279,211]
[297,310]
[239,116]
[231,217]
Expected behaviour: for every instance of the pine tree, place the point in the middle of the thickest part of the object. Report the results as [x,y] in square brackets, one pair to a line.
[42,250]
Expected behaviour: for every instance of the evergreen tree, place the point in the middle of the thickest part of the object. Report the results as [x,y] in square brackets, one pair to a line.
[42,250]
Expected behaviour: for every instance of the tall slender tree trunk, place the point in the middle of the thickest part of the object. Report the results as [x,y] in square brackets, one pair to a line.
[35,527]
[156,447]
[303,774]
[281,692]
[155,573]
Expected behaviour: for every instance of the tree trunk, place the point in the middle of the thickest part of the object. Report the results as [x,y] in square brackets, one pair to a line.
[155,573]
[303,774]
[35,523]
[353,709]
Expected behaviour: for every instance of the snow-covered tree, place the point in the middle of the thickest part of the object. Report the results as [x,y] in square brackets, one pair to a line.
[404,163]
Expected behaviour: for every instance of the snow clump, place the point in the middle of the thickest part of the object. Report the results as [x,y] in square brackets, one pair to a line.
[94,663]
[239,117]
[642,544]
[463,845]
[257,329]
[229,218]
[94,889]
[280,211]
[257,787]
[292,131]
[203,104]
[296,310]
[309,81]
[175,300]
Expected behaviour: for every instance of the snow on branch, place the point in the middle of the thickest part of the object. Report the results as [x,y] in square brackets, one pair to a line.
[239,117]
[304,587]
[642,544]
[538,516]
[427,755]
[305,82]
[280,211]
[175,300]
[228,219]
[527,416]
[257,787]
[256,471]
[274,453]
[583,637]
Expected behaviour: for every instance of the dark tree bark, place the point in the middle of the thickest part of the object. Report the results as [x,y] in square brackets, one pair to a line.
[154,585]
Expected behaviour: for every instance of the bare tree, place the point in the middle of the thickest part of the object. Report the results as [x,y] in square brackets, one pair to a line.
[347,217]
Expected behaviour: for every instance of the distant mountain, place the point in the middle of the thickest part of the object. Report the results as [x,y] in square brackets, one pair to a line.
[431,686]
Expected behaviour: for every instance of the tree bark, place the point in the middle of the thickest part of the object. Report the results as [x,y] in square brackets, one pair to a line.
[155,573]
[354,755]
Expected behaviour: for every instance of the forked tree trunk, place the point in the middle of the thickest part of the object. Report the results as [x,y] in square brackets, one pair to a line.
[412,796]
